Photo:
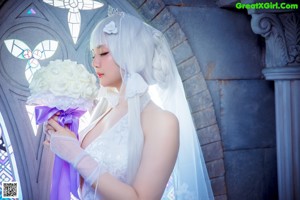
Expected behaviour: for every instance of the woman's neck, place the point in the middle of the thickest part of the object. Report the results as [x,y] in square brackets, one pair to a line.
[122,99]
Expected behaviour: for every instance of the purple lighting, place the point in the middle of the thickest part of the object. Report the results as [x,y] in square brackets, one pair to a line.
[31,12]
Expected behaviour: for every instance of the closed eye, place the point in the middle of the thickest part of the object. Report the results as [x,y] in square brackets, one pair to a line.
[104,53]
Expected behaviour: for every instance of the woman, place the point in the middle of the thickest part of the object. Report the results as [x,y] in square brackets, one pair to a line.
[130,151]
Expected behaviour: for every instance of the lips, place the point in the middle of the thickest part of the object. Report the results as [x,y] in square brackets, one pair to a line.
[100,75]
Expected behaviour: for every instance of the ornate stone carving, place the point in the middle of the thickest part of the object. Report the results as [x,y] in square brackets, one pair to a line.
[282,35]
[291,24]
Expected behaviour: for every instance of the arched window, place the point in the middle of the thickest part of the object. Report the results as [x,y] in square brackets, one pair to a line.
[8,167]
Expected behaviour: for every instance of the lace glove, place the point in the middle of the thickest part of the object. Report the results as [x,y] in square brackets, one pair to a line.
[68,148]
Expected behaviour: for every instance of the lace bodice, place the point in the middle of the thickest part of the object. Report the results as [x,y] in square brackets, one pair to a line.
[110,150]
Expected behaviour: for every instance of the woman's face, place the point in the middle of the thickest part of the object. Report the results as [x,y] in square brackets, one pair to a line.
[106,68]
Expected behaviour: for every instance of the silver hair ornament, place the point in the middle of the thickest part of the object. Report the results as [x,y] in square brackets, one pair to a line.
[114,11]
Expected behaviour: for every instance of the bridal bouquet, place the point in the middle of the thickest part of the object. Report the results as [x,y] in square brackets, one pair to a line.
[68,88]
[64,85]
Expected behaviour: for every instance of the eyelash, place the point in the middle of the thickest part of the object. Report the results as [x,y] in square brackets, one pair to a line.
[103,54]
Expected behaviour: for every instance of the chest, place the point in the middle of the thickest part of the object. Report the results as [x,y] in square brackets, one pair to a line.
[106,122]
[110,149]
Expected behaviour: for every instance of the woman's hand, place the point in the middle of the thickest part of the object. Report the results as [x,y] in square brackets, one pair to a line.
[53,127]
[62,141]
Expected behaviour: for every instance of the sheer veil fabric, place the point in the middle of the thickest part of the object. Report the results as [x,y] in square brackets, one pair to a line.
[145,60]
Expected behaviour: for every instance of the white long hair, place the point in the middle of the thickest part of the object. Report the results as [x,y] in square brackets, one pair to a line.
[138,48]
[134,49]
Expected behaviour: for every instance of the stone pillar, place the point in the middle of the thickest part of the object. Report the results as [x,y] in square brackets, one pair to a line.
[281,31]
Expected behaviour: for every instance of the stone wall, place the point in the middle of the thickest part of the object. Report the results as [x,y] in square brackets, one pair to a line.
[220,61]
[231,58]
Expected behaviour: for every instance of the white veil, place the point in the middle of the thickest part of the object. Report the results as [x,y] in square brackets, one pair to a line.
[145,59]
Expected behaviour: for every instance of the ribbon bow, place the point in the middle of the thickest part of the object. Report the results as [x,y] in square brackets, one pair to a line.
[65,178]
[136,85]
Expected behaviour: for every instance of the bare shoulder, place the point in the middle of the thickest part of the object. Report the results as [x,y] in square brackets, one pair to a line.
[161,131]
[156,120]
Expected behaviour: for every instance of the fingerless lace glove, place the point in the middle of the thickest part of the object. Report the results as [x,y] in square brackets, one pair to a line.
[68,149]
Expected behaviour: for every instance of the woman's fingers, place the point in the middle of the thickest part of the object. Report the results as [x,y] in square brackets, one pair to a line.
[57,114]
[48,137]
[55,125]
[55,117]
[49,127]
[58,129]
[46,143]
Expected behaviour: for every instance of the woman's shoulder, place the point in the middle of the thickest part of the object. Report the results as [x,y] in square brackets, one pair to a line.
[157,120]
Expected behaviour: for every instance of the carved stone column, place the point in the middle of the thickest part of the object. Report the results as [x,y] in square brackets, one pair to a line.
[282,56]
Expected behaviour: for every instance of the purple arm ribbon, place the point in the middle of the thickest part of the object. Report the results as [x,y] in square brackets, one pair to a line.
[65,178]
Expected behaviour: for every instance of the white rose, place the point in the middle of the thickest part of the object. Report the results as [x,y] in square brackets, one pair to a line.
[59,87]
[75,90]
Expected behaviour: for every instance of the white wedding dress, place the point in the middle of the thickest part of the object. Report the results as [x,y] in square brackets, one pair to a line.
[110,150]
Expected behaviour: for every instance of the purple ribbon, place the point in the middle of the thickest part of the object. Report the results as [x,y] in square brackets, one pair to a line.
[65,178]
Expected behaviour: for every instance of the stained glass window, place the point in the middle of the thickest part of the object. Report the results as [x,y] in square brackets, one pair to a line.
[8,167]
[31,11]
[42,51]
[20,49]
[74,17]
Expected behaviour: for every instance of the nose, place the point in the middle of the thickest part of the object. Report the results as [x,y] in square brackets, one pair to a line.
[95,64]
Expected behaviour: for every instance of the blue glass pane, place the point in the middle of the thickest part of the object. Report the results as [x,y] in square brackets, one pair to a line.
[8,167]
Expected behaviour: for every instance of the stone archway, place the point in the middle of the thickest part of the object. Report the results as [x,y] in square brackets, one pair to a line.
[157,14]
